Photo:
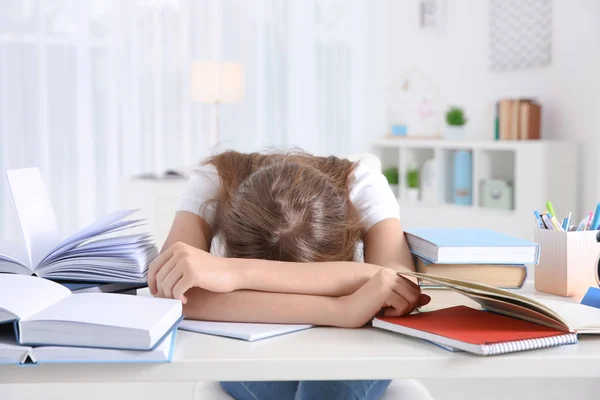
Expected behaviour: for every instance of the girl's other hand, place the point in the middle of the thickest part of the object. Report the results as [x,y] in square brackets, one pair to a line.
[396,295]
[182,267]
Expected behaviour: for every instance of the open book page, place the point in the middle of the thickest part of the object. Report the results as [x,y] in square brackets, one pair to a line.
[10,351]
[109,224]
[22,295]
[14,258]
[579,317]
[499,300]
[35,212]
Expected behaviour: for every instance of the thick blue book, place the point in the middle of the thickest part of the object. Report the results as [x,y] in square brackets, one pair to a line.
[470,246]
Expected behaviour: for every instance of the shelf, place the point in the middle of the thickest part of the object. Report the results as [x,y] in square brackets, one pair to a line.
[393,142]
[406,204]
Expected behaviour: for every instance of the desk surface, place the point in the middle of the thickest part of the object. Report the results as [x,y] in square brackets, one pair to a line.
[324,354]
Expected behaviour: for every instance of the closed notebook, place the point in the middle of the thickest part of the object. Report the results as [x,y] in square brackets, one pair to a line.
[476,331]
[240,330]
[470,245]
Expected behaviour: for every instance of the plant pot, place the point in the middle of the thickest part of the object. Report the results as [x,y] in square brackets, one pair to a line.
[455,132]
[412,194]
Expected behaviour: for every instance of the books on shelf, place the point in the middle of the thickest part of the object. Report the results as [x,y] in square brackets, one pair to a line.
[240,330]
[13,353]
[504,276]
[518,119]
[473,246]
[47,313]
[97,253]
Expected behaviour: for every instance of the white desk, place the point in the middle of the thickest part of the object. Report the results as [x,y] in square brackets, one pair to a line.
[323,354]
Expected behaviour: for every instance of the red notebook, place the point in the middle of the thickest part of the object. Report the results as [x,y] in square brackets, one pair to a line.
[476,331]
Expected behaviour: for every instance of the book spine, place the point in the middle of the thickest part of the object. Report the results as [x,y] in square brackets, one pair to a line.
[529,344]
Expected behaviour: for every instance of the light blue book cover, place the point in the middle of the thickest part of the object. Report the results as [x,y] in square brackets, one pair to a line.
[426,243]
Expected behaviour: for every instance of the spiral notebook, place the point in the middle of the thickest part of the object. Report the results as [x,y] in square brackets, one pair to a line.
[479,332]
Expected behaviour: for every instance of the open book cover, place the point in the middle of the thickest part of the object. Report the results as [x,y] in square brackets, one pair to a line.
[563,315]
[13,353]
[98,253]
[45,313]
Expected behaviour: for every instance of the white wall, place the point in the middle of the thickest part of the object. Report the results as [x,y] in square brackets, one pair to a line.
[457,60]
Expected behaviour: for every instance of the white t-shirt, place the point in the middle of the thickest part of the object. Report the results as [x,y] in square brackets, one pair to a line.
[370,194]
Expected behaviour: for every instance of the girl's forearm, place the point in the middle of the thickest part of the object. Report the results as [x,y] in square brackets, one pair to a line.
[263,307]
[323,279]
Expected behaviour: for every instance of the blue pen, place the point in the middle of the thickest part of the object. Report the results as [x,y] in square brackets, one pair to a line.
[538,218]
[596,220]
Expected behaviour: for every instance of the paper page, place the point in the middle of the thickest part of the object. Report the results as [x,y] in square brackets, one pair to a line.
[24,295]
[109,309]
[238,330]
[579,317]
[483,291]
[35,212]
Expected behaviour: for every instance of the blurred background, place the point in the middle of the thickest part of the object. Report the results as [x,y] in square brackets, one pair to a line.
[479,110]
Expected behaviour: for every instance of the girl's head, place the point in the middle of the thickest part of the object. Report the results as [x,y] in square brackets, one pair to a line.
[286,207]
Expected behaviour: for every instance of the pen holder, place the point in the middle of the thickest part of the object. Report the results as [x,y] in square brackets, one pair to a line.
[568,263]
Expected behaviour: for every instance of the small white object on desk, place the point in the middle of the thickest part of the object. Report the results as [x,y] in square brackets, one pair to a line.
[240,330]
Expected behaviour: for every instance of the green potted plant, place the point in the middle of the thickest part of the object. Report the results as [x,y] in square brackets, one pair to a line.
[412,183]
[392,176]
[456,121]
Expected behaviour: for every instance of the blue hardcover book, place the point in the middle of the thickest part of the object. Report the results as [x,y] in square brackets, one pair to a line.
[470,246]
[13,353]
[46,313]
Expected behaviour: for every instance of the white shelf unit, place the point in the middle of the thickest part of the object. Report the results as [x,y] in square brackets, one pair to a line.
[539,171]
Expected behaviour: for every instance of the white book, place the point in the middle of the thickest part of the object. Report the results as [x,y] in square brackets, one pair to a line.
[240,330]
[13,353]
[47,313]
[99,252]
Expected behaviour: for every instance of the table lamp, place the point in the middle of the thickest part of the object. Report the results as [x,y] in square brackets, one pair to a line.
[217,83]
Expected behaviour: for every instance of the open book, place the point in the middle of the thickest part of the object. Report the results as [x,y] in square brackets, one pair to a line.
[97,253]
[13,353]
[47,313]
[561,315]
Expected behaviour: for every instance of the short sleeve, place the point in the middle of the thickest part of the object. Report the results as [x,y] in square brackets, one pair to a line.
[202,187]
[372,196]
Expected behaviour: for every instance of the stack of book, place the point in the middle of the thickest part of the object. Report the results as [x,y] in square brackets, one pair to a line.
[42,321]
[54,305]
[518,119]
[477,255]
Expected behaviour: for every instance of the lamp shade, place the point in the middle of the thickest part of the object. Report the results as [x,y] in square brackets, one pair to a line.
[214,82]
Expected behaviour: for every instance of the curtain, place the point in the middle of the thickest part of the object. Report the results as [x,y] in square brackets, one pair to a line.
[95,92]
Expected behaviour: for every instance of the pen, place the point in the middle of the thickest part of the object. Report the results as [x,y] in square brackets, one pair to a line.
[550,208]
[596,220]
[538,218]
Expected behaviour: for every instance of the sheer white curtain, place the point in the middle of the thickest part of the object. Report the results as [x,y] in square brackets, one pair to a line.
[95,91]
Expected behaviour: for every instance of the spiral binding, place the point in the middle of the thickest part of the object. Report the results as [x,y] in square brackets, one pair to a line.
[529,344]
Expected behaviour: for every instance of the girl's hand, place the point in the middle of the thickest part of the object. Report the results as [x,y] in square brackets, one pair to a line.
[182,267]
[387,290]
